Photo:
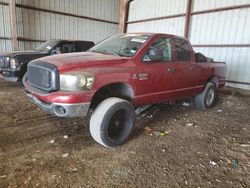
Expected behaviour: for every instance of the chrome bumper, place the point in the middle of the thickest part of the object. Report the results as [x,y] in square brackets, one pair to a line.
[9,75]
[61,109]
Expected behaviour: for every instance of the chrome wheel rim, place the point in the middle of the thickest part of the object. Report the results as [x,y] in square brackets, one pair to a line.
[210,97]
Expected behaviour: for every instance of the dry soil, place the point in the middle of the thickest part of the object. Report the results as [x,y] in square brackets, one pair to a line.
[171,146]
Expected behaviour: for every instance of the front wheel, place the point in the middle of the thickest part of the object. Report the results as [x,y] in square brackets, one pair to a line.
[205,100]
[112,122]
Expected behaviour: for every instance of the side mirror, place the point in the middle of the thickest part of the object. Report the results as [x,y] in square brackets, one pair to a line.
[153,55]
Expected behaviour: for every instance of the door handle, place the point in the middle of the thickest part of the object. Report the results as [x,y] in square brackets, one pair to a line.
[171,69]
[191,68]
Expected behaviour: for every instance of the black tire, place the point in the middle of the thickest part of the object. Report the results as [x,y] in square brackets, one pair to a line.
[206,99]
[112,122]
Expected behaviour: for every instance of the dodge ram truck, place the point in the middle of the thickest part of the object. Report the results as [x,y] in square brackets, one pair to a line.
[119,74]
[13,65]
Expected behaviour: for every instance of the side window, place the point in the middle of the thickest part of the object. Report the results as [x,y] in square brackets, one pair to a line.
[81,46]
[182,50]
[67,48]
[160,50]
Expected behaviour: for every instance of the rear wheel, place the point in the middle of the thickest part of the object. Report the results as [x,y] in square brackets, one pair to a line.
[112,122]
[205,100]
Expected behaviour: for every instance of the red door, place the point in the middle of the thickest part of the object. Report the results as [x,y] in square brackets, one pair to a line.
[156,73]
[186,73]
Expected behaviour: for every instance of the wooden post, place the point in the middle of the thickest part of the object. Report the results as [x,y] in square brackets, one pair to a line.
[12,11]
[187,18]
[123,15]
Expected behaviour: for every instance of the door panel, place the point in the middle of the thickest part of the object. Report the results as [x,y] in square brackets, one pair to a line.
[186,77]
[185,80]
[157,73]
[157,85]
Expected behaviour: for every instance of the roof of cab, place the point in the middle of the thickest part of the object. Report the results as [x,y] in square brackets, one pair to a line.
[155,34]
[65,40]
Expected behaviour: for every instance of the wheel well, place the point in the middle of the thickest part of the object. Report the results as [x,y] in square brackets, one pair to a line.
[23,70]
[120,90]
[215,80]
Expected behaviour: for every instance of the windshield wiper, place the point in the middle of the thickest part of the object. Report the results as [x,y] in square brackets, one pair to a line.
[114,53]
[106,52]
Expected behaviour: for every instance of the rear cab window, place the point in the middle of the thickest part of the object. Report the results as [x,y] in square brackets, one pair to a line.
[183,51]
[81,46]
[67,47]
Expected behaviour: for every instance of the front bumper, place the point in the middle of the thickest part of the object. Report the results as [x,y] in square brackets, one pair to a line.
[61,109]
[10,75]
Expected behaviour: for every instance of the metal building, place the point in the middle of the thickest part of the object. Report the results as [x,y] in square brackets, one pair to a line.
[38,21]
[217,28]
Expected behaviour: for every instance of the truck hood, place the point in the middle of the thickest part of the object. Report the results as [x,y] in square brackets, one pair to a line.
[82,59]
[18,53]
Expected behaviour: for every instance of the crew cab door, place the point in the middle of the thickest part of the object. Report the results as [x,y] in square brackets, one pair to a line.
[186,71]
[157,72]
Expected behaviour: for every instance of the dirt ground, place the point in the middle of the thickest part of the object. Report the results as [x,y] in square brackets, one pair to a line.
[198,149]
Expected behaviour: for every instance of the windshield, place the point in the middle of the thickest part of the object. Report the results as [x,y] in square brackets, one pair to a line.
[47,46]
[121,45]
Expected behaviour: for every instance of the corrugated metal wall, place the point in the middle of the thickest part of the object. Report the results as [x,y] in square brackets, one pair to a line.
[143,9]
[227,27]
[44,25]
[5,30]
[210,4]
[224,27]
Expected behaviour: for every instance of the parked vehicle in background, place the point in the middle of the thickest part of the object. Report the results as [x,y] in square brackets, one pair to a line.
[119,74]
[13,65]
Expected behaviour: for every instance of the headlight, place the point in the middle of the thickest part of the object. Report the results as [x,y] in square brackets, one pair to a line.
[7,59]
[76,81]
[14,64]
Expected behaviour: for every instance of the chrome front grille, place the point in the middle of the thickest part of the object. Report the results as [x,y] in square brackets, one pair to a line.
[4,62]
[43,76]
[39,77]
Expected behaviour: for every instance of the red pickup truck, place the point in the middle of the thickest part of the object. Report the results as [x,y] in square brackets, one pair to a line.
[119,74]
